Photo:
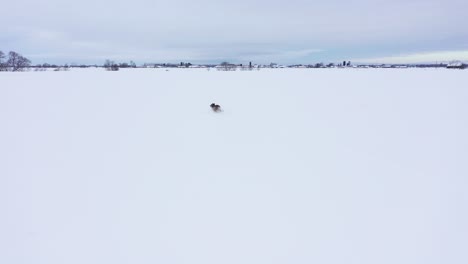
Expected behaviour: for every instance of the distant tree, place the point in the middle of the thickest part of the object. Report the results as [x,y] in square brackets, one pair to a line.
[108,64]
[344,63]
[111,65]
[2,61]
[348,64]
[226,66]
[319,65]
[16,62]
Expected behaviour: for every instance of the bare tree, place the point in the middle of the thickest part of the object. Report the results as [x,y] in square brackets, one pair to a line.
[16,62]
[2,62]
[111,66]
[226,66]
[13,59]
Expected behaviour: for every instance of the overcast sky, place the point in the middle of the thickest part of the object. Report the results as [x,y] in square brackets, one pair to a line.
[262,31]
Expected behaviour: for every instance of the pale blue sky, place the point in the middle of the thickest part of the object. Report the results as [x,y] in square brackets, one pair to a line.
[295,31]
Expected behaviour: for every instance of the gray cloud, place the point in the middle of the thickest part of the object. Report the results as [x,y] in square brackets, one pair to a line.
[210,30]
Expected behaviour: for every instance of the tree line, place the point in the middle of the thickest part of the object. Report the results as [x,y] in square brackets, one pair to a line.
[110,65]
[14,62]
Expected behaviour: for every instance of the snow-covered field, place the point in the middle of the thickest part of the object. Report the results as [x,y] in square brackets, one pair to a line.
[337,166]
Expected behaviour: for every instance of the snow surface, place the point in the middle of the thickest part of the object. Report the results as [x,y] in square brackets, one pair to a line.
[303,166]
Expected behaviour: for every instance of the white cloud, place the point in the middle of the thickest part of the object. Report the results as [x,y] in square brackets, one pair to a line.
[424,57]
